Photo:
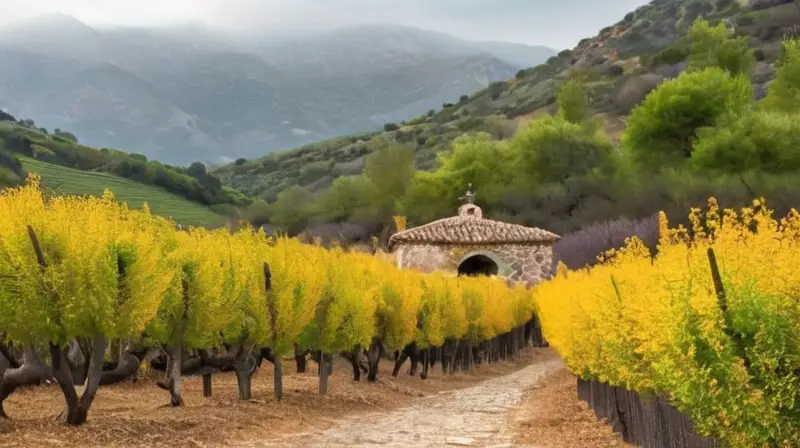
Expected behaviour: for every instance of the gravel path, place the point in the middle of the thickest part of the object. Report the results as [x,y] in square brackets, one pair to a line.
[479,416]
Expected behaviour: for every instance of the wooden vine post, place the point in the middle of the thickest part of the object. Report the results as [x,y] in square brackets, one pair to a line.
[273,311]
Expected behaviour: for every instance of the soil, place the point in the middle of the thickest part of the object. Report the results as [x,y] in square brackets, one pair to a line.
[552,416]
[134,415]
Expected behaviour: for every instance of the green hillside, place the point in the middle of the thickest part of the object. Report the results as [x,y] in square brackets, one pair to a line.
[63,180]
[23,138]
[621,64]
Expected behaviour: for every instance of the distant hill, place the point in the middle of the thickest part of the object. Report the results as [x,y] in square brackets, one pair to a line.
[61,180]
[188,94]
[191,195]
[623,63]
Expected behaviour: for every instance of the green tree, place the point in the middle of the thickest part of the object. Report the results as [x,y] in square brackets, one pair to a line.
[475,159]
[257,213]
[662,129]
[716,46]
[390,169]
[292,209]
[348,198]
[573,106]
[197,170]
[784,92]
[66,135]
[553,149]
[766,141]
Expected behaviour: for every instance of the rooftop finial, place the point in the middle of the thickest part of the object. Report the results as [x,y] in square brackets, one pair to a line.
[469,197]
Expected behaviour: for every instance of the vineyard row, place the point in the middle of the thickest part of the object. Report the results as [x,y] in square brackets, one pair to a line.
[708,324]
[90,290]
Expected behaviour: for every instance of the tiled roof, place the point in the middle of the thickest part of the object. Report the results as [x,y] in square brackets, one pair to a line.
[472,230]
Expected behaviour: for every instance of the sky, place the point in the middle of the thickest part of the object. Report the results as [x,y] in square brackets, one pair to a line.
[555,23]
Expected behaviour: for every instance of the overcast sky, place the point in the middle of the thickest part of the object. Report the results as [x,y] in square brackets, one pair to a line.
[555,23]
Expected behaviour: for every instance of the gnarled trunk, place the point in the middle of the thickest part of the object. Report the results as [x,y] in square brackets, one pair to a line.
[373,359]
[354,357]
[245,368]
[77,408]
[127,367]
[174,382]
[30,371]
[300,358]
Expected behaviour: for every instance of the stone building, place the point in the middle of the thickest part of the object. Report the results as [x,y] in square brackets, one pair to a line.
[470,244]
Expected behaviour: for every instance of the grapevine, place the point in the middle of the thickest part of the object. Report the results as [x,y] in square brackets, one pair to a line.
[710,322]
[87,278]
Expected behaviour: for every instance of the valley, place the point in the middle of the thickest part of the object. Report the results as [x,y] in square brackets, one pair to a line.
[472,243]
[187,95]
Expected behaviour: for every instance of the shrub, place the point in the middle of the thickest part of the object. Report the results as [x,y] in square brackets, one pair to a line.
[764,141]
[670,55]
[662,128]
[615,70]
[634,90]
[552,149]
[573,105]
[713,46]
[784,92]
[389,127]
[581,248]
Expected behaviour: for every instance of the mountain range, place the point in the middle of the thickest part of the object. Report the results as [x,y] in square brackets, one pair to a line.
[622,64]
[190,93]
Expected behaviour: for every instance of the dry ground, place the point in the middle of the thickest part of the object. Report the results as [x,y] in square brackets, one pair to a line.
[552,416]
[132,415]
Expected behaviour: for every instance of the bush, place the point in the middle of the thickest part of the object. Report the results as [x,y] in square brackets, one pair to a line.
[634,90]
[629,17]
[713,46]
[573,105]
[784,92]
[764,141]
[389,127]
[615,70]
[662,129]
[5,116]
[553,149]
[670,55]
[580,249]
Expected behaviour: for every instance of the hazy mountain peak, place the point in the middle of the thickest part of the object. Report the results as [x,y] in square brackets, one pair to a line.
[49,23]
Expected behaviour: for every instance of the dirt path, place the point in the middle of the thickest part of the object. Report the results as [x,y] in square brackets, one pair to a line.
[479,416]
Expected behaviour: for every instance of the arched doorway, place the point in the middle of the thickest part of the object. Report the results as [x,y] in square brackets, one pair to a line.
[478,264]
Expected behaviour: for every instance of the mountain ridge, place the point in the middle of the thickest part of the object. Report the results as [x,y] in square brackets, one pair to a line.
[623,62]
[211,98]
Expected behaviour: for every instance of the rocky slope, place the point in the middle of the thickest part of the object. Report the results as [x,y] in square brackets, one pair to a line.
[623,63]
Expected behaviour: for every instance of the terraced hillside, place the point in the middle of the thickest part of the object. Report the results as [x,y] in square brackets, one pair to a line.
[193,195]
[622,63]
[62,180]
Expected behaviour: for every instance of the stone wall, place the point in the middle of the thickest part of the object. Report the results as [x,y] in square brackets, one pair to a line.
[528,264]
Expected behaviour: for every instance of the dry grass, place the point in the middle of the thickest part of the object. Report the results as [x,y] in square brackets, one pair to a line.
[133,415]
[553,417]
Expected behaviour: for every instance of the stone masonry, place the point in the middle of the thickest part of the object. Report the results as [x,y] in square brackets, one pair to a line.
[522,254]
[527,264]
